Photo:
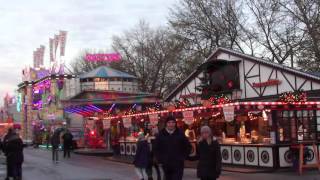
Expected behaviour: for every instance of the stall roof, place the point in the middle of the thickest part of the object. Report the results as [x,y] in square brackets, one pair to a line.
[106,72]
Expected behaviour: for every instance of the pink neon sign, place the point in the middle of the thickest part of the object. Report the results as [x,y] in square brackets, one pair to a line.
[103,57]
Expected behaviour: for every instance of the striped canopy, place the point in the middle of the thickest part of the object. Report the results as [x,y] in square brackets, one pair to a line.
[106,72]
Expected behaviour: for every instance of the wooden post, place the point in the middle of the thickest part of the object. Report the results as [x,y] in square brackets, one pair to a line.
[301,165]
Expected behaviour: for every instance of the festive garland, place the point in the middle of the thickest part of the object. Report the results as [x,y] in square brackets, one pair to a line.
[182,104]
[219,99]
[291,97]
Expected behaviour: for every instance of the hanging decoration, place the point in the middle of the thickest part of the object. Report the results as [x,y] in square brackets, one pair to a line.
[254,115]
[219,99]
[182,104]
[156,107]
[293,97]
[153,118]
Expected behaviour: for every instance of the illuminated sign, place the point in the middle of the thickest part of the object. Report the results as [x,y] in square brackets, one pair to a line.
[270,82]
[19,102]
[103,57]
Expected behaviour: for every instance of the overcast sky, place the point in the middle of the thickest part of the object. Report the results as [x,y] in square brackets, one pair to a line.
[25,24]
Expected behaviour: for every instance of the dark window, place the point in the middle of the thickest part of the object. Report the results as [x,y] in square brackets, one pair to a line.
[223,76]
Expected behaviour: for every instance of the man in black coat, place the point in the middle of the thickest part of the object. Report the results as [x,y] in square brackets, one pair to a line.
[55,142]
[13,149]
[171,149]
[67,143]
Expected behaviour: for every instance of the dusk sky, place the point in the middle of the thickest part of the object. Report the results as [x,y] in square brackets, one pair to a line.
[90,24]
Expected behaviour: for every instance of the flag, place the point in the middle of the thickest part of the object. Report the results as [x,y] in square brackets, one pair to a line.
[34,58]
[51,49]
[56,43]
[41,59]
[63,37]
[36,62]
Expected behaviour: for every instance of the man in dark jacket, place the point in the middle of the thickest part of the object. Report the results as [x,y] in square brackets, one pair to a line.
[55,142]
[13,149]
[171,149]
[67,143]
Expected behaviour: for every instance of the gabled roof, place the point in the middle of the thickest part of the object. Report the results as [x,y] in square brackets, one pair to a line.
[106,72]
[263,61]
[313,76]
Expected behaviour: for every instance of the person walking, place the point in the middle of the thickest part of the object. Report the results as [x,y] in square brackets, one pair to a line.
[152,162]
[209,156]
[67,143]
[13,148]
[171,148]
[5,139]
[55,143]
[141,159]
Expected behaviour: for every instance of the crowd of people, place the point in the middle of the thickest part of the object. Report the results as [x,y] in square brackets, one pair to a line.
[167,152]
[163,152]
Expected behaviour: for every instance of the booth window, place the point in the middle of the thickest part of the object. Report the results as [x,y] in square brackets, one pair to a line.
[297,126]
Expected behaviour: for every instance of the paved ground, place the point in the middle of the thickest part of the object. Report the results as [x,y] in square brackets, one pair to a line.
[38,166]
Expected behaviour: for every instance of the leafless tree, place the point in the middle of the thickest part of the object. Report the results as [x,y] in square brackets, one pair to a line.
[208,24]
[275,31]
[151,54]
[307,14]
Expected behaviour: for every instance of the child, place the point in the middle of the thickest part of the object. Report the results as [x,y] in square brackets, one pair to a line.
[142,156]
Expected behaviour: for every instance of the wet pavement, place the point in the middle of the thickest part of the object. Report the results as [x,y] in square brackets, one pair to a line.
[38,166]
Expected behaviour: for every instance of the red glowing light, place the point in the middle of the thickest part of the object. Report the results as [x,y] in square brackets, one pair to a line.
[92,133]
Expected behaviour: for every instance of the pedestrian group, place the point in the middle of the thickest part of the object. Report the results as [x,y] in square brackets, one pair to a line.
[167,152]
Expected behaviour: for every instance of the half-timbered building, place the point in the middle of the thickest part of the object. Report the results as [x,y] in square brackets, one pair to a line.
[270,108]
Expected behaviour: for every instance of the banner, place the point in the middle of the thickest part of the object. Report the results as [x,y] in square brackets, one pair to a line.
[34,58]
[36,63]
[127,122]
[188,117]
[106,124]
[41,54]
[63,38]
[51,49]
[153,119]
[90,124]
[228,112]
[56,43]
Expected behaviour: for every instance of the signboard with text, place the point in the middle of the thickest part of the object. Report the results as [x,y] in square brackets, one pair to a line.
[106,124]
[127,122]
[103,57]
[228,112]
[153,119]
[188,117]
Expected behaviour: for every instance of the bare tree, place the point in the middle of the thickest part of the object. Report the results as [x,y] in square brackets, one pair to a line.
[151,55]
[275,31]
[208,24]
[307,14]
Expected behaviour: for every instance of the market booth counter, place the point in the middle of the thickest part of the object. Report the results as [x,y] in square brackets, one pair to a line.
[128,146]
[272,138]
[255,134]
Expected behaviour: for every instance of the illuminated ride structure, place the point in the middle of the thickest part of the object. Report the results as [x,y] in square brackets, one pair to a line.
[40,104]
[106,92]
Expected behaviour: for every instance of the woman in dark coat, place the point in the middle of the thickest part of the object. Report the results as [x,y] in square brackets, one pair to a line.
[209,156]
[141,159]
